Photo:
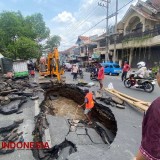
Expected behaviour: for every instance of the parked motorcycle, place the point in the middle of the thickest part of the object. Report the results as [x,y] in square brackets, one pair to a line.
[93,76]
[147,84]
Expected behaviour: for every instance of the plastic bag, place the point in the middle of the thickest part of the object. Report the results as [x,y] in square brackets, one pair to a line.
[110,86]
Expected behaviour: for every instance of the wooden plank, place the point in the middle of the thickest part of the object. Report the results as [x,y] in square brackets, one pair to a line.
[137,105]
[134,99]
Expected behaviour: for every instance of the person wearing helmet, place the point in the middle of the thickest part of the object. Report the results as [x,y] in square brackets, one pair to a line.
[141,70]
[89,104]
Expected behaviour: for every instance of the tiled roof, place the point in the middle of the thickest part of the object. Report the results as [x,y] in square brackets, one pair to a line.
[156,4]
[68,50]
[84,38]
[144,14]
[102,36]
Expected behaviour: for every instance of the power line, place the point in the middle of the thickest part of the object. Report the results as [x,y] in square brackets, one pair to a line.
[77,24]
[111,15]
[82,22]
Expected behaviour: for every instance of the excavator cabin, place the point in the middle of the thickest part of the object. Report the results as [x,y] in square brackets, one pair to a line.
[51,65]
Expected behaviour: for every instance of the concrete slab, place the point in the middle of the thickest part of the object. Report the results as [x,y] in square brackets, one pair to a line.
[87,152]
[84,140]
[94,136]
[80,131]
[72,137]
[58,127]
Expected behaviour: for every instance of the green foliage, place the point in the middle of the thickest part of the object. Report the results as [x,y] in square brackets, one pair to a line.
[20,36]
[23,48]
[155,69]
[37,26]
[52,42]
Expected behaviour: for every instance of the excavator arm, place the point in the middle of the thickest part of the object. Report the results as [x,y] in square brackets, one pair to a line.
[53,65]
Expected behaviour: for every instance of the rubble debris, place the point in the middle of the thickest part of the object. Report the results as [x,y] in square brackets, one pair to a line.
[34,97]
[64,128]
[7,126]
[117,100]
[53,97]
[120,106]
[13,97]
[98,95]
[12,107]
[6,151]
[4,100]
[4,93]
[19,112]
[19,121]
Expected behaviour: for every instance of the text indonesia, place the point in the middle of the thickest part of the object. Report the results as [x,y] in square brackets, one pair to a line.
[25,145]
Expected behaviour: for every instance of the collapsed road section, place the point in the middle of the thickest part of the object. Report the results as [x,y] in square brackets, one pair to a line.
[114,133]
[63,125]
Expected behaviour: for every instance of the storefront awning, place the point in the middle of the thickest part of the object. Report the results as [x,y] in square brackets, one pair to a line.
[95,56]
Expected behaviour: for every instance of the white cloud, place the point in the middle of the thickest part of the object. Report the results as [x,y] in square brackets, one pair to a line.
[64,17]
[88,15]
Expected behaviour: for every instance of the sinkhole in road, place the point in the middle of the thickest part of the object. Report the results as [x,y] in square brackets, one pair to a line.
[61,106]
[66,124]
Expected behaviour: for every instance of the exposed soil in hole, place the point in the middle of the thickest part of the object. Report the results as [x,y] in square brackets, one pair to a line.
[66,108]
[61,101]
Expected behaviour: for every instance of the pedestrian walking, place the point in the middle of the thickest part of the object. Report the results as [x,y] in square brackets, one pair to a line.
[126,68]
[150,143]
[75,71]
[100,75]
[89,104]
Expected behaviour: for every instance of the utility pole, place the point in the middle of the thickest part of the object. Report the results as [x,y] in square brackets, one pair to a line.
[105,3]
[115,38]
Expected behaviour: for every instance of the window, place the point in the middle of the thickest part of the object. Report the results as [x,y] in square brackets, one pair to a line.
[116,66]
[106,66]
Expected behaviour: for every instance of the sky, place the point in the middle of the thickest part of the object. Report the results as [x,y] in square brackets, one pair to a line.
[68,18]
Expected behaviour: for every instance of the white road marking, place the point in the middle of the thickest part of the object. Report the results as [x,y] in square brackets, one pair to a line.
[36,106]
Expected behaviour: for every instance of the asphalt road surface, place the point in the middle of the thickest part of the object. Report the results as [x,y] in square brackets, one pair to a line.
[118,85]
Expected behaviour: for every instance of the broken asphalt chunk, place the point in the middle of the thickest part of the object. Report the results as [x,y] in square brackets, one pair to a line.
[120,106]
[12,107]
[117,100]
[6,126]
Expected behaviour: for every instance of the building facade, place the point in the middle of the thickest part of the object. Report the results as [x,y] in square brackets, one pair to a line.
[86,47]
[138,35]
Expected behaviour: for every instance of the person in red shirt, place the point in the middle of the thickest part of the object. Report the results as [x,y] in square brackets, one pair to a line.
[89,104]
[101,75]
[126,68]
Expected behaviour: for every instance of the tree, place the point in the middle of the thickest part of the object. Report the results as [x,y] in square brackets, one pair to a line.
[37,26]
[52,42]
[10,26]
[23,48]
[18,34]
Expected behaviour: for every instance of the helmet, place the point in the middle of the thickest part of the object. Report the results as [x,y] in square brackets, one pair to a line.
[141,64]
[86,90]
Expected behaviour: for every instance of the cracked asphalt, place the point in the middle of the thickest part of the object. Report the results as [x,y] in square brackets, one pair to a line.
[129,124]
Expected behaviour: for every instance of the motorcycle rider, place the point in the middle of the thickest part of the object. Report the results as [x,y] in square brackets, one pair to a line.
[141,71]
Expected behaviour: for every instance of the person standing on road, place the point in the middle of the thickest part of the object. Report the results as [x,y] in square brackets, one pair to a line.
[101,76]
[126,68]
[150,143]
[74,71]
[89,104]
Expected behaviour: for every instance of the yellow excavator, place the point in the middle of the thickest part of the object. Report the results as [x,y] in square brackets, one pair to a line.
[51,66]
